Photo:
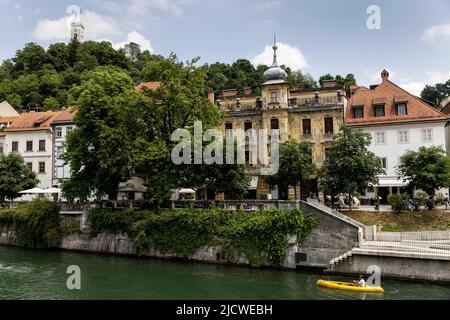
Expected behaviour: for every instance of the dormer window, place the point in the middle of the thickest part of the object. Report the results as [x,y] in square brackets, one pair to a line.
[358,112]
[273,97]
[379,110]
[402,109]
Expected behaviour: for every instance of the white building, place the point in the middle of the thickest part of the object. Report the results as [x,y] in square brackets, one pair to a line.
[6,110]
[398,122]
[30,135]
[61,126]
[7,116]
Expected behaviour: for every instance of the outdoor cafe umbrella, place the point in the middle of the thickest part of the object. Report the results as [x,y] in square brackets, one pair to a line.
[53,190]
[33,191]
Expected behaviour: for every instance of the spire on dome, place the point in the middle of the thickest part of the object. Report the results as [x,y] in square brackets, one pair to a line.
[275,72]
[275,48]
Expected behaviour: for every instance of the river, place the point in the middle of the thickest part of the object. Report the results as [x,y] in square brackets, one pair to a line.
[41,274]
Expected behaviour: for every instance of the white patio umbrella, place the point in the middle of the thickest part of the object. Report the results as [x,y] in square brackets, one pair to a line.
[33,191]
[53,190]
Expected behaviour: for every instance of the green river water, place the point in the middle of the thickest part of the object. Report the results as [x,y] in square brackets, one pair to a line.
[36,274]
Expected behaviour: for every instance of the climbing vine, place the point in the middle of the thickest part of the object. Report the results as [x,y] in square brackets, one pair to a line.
[35,224]
[260,235]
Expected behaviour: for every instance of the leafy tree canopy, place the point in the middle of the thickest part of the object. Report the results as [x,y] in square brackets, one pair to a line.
[350,166]
[296,166]
[435,94]
[427,169]
[15,176]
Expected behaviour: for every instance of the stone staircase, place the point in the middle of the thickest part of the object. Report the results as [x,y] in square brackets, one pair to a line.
[419,249]
[339,259]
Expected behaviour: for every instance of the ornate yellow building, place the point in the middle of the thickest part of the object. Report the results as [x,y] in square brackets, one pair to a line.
[311,115]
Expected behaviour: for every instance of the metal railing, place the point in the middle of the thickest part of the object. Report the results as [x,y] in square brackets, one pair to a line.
[431,243]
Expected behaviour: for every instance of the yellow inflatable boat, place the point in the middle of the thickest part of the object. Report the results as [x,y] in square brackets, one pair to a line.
[348,286]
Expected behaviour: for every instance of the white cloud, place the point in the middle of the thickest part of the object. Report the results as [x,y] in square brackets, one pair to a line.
[415,86]
[145,7]
[268,5]
[135,37]
[109,5]
[288,55]
[96,25]
[437,33]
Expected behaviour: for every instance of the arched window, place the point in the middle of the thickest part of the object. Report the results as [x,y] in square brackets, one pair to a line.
[273,97]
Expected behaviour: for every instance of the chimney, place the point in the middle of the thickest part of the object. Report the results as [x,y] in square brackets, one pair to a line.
[329,84]
[317,97]
[384,75]
[247,91]
[230,93]
[353,89]
[211,97]
[238,104]
[339,96]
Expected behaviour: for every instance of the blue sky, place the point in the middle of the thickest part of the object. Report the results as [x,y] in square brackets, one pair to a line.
[316,36]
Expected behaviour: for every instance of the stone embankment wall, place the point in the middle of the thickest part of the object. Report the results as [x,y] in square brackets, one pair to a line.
[333,236]
[123,245]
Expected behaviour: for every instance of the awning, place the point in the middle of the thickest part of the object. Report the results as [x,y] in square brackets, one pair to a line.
[254,183]
[391,183]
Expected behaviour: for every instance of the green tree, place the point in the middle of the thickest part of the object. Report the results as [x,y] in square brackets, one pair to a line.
[176,104]
[427,169]
[99,149]
[296,166]
[230,179]
[297,78]
[59,57]
[30,59]
[344,82]
[435,94]
[51,104]
[325,77]
[350,166]
[15,177]
[133,51]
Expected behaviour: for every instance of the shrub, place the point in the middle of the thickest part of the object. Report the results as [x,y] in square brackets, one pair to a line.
[421,196]
[439,199]
[397,202]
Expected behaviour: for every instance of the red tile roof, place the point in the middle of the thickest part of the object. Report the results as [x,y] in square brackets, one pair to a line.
[149,85]
[33,121]
[7,119]
[66,115]
[388,93]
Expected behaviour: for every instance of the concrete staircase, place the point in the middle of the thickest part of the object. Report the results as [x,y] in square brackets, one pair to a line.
[340,259]
[418,249]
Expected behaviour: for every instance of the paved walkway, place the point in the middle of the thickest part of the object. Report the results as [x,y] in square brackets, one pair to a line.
[387,208]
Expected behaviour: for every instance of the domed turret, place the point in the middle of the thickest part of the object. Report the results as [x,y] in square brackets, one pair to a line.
[275,72]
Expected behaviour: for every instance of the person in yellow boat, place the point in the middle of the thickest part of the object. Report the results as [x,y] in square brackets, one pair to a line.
[361,283]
